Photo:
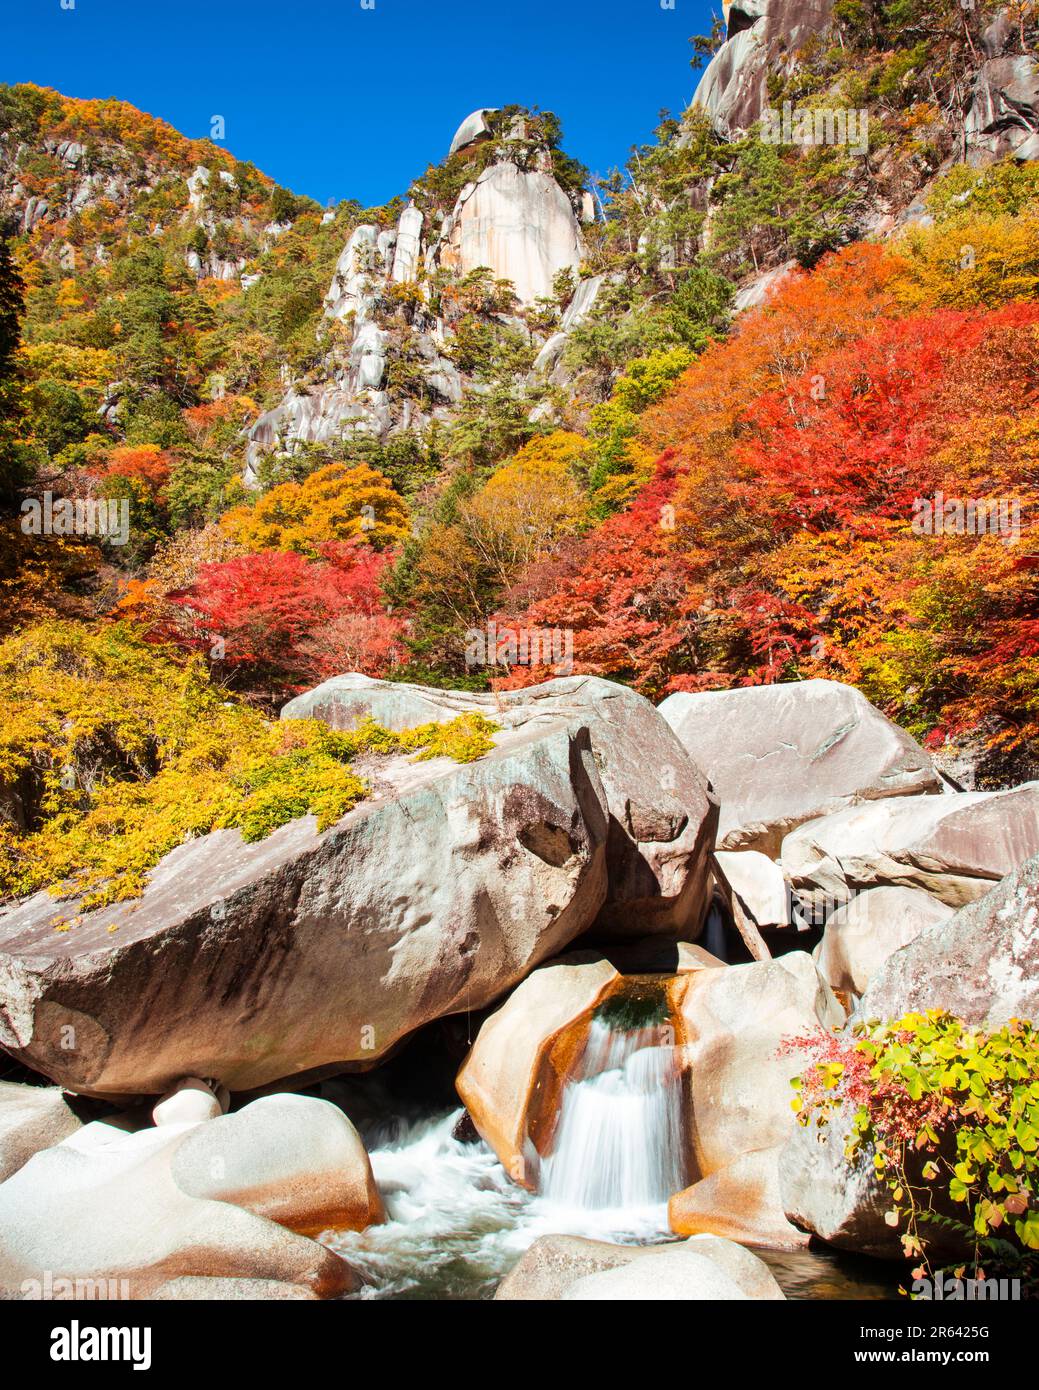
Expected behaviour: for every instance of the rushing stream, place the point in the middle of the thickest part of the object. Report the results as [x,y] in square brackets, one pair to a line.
[457,1224]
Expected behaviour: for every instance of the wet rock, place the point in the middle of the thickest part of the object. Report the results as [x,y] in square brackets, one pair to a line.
[731,1025]
[514,1076]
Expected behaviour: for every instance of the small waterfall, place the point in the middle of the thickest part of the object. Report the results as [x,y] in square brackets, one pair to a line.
[619,1142]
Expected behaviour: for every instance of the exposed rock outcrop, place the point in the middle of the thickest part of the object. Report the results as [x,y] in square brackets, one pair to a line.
[472,129]
[780,755]
[763,36]
[1003,118]
[517,222]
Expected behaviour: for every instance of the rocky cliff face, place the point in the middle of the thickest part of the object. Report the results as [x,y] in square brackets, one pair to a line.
[763,36]
[513,220]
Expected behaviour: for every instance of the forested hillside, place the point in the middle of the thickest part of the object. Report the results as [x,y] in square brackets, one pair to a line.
[689,442]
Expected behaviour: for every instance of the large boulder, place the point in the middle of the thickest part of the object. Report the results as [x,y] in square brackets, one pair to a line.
[741,1201]
[780,755]
[109,1213]
[512,1081]
[662,818]
[31,1118]
[981,965]
[754,888]
[669,1275]
[732,1024]
[827,1194]
[310,952]
[861,935]
[955,847]
[293,1159]
[555,1265]
[513,1078]
[840,1199]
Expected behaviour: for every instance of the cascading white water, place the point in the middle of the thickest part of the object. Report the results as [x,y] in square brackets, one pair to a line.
[618,1143]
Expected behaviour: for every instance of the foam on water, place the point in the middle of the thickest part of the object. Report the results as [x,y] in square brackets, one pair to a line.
[457,1224]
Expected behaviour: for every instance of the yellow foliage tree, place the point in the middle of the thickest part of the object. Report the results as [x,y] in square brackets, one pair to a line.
[523,511]
[980,263]
[336,503]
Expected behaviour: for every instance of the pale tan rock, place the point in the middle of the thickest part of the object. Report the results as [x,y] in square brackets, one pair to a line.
[780,755]
[31,1118]
[191,1101]
[294,1159]
[517,222]
[194,1289]
[671,1276]
[732,1023]
[310,951]
[955,847]
[662,817]
[116,1213]
[741,1202]
[755,887]
[555,1264]
[512,1079]
[860,936]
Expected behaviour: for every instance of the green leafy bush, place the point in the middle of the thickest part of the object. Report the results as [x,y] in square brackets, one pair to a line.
[950,1114]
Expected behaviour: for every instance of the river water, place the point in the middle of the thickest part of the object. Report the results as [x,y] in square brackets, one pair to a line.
[457,1224]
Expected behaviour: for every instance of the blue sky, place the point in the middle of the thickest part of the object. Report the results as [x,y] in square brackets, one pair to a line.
[338,101]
